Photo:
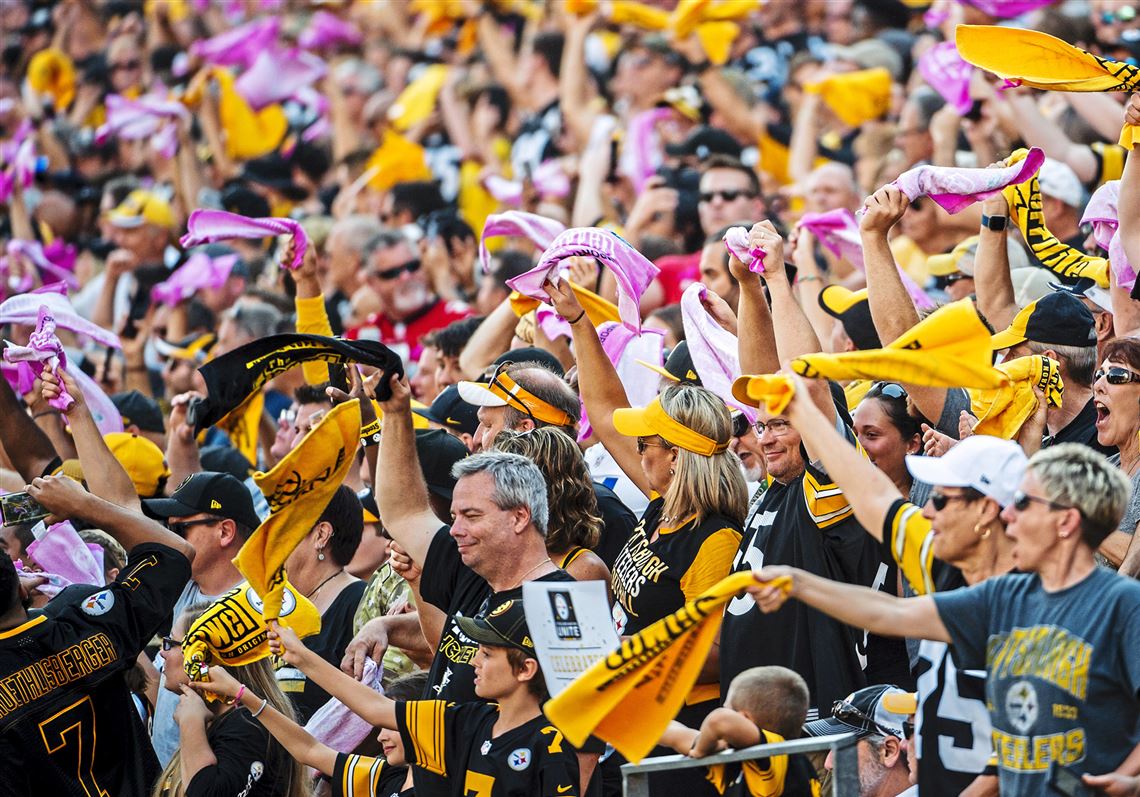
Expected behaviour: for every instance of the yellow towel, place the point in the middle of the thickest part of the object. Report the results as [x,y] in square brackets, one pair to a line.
[1001,412]
[630,696]
[1042,61]
[949,348]
[773,392]
[855,97]
[233,630]
[298,489]
[711,21]
[51,72]
[248,133]
[243,423]
[1025,210]
[313,319]
[598,310]
[397,160]
[417,100]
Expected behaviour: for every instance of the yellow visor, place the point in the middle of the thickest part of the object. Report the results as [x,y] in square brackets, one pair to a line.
[653,420]
[502,391]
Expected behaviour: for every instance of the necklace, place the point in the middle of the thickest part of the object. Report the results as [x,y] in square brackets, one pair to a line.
[527,573]
[327,580]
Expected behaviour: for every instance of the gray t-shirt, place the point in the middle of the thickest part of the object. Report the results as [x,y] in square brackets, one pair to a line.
[1063,671]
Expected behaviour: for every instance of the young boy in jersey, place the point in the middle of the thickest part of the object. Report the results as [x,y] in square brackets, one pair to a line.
[764,705]
[502,748]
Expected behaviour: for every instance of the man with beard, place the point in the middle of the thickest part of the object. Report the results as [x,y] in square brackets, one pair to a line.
[408,308]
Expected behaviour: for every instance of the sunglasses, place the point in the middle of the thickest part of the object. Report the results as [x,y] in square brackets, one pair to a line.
[1021,502]
[412,266]
[1125,14]
[728,196]
[848,713]
[939,500]
[643,444]
[1115,375]
[776,426]
[126,66]
[169,643]
[182,527]
[739,425]
[908,729]
[889,389]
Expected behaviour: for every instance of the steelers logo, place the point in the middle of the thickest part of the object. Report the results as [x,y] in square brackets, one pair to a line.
[519,759]
[98,604]
[288,601]
[502,607]
[1021,706]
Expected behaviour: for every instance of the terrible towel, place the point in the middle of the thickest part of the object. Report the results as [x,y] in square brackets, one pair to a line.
[539,230]
[207,226]
[239,46]
[198,272]
[44,352]
[712,347]
[1103,214]
[62,551]
[625,348]
[1001,412]
[953,189]
[855,97]
[327,31]
[277,74]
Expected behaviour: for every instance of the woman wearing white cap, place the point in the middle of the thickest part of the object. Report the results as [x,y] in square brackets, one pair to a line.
[961,526]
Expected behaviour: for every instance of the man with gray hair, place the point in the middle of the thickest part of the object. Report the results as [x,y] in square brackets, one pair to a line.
[247,321]
[345,251]
[409,307]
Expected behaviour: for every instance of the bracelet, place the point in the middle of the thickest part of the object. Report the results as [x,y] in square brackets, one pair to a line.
[45,412]
[579,318]
[240,692]
[370,429]
[810,278]
[264,703]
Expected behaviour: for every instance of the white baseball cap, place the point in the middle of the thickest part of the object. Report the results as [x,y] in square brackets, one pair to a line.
[1059,181]
[990,465]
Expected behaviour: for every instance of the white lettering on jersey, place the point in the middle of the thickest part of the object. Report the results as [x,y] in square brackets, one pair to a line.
[942,679]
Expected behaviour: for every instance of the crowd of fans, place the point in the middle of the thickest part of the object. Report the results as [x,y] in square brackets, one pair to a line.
[331,324]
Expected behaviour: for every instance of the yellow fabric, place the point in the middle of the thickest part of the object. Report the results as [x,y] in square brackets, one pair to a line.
[855,391]
[855,97]
[175,10]
[949,348]
[1002,411]
[598,310]
[911,258]
[912,547]
[424,720]
[1037,59]
[313,319]
[51,73]
[515,395]
[653,420]
[712,561]
[628,12]
[233,629]
[418,421]
[825,502]
[248,133]
[298,489]
[1025,211]
[439,15]
[773,392]
[143,461]
[947,264]
[711,21]
[417,100]
[631,695]
[361,775]
[759,781]
[716,39]
[397,160]
[243,425]
[475,202]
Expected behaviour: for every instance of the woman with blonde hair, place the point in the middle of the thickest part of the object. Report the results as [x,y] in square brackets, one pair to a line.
[223,749]
[575,524]
[676,450]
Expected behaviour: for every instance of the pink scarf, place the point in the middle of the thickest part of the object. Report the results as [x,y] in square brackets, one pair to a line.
[61,268]
[327,32]
[44,352]
[948,74]
[150,116]
[1007,9]
[24,309]
[630,268]
[1103,213]
[953,188]
[736,241]
[208,226]
[62,551]
[335,725]
[539,230]
[713,348]
[198,272]
[550,181]
[277,74]
[624,348]
[239,46]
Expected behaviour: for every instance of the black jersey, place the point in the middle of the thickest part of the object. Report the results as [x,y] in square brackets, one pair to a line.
[775,776]
[365,776]
[457,742]
[68,725]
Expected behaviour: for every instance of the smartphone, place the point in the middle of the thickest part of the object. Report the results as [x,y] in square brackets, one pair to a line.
[18,509]
[1062,781]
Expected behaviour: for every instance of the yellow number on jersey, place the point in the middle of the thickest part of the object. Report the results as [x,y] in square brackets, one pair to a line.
[476,784]
[555,745]
[71,732]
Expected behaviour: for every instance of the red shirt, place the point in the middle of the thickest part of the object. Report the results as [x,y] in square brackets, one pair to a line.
[677,273]
[403,337]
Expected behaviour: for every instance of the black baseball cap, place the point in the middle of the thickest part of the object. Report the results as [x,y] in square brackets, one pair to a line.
[501,627]
[704,142]
[138,410]
[438,452]
[853,310]
[226,459]
[678,366]
[1058,318]
[217,494]
[450,410]
[530,354]
[867,712]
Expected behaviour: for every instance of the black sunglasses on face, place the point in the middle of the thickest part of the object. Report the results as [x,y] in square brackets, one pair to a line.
[1116,375]
[182,527]
[1021,502]
[412,266]
[126,66]
[169,643]
[939,500]
[730,195]
[908,729]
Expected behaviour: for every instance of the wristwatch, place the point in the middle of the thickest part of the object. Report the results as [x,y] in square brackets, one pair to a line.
[994,223]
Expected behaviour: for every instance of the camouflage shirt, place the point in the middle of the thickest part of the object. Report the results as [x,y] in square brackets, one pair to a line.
[385,590]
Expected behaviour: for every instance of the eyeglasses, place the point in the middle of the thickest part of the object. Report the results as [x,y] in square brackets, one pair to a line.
[776,426]
[939,500]
[848,713]
[952,278]
[1021,502]
[908,729]
[1116,375]
[169,643]
[412,266]
[730,195]
[182,527]
[740,424]
[126,66]
[891,390]
[642,444]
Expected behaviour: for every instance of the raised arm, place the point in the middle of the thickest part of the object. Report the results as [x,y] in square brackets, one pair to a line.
[1039,131]
[1128,205]
[993,284]
[757,337]
[26,445]
[500,56]
[490,339]
[574,79]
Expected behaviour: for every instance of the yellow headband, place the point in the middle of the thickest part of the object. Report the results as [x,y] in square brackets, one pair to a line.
[652,419]
[519,397]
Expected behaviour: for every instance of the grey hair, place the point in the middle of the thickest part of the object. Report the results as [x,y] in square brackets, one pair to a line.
[928,102]
[257,319]
[518,482]
[385,238]
[357,231]
[1077,362]
[1072,474]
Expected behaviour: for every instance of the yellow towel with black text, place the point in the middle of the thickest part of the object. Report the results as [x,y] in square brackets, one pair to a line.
[631,695]
[1002,411]
[243,424]
[298,489]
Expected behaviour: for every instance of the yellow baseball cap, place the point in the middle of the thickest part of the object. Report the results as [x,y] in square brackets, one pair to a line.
[142,207]
[143,461]
[946,264]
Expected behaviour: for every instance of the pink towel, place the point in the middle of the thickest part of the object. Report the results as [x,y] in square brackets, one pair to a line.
[59,265]
[17,160]
[539,230]
[624,348]
[327,31]
[198,272]
[335,725]
[953,188]
[277,74]
[550,181]
[150,116]
[713,348]
[25,309]
[948,74]
[238,46]
[1007,9]
[62,551]
[641,154]
[736,241]
[1103,214]
[44,352]
[207,226]
[630,268]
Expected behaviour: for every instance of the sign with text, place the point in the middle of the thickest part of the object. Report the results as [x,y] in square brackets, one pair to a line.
[570,625]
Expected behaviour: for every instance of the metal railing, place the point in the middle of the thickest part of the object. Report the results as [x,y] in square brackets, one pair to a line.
[844,775]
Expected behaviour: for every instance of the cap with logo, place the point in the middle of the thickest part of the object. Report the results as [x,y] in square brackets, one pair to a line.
[1086,288]
[192,348]
[142,207]
[864,713]
[450,410]
[678,366]
[368,502]
[1059,318]
[438,452]
[139,410]
[502,626]
[853,310]
[211,493]
[143,461]
[990,465]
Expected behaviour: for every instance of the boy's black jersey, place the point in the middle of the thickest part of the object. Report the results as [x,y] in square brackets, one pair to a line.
[68,725]
[365,776]
[455,741]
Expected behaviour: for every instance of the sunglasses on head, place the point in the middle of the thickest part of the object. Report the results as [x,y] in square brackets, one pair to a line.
[412,266]
[848,713]
[739,425]
[126,66]
[1022,500]
[1116,375]
[730,195]
[891,390]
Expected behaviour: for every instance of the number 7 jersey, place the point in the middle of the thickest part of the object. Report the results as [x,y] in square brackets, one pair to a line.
[68,726]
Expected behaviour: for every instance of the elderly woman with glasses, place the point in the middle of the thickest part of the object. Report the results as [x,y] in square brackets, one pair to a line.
[1116,397]
[1059,640]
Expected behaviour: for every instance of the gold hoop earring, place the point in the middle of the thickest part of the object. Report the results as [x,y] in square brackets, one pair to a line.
[982,535]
